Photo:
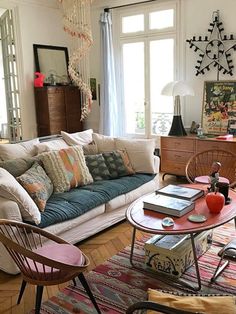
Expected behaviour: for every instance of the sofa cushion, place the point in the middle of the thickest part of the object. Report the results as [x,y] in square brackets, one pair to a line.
[118,163]
[11,189]
[18,166]
[97,167]
[197,304]
[18,150]
[78,138]
[90,149]
[133,195]
[64,206]
[38,185]
[140,152]
[50,145]
[104,143]
[66,168]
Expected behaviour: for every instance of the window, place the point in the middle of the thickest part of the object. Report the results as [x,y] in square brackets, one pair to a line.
[147,53]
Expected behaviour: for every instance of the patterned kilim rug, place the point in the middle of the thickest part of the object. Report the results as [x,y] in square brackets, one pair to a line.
[116,284]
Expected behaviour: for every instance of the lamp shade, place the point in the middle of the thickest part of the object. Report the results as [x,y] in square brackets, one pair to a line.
[177,88]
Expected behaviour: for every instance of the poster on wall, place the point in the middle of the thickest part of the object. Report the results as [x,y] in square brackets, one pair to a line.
[219,107]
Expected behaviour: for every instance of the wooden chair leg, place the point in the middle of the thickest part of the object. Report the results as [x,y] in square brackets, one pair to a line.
[22,289]
[89,292]
[39,294]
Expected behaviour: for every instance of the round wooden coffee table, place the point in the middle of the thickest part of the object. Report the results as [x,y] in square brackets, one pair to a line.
[151,222]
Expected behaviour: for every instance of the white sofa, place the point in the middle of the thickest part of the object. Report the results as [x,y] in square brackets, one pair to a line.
[93,221]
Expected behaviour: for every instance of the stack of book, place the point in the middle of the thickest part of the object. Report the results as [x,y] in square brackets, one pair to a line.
[173,200]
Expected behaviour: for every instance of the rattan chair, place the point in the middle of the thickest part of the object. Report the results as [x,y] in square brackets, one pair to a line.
[227,254]
[200,165]
[43,258]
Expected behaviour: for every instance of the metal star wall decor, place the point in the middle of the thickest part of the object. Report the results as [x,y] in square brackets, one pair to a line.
[215,49]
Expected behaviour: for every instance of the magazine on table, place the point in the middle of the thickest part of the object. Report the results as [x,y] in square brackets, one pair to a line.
[190,194]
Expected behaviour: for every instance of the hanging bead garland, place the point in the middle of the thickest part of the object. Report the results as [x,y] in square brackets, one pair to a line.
[77,23]
[214,49]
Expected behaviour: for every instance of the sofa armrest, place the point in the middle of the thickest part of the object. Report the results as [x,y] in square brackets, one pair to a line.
[9,210]
[156,164]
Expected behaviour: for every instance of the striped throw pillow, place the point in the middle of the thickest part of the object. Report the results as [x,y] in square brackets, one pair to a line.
[66,168]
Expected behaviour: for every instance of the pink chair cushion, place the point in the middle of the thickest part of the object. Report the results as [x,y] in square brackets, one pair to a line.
[205,179]
[64,253]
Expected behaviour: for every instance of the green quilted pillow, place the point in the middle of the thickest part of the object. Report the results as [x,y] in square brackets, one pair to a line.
[97,167]
[118,163]
[18,166]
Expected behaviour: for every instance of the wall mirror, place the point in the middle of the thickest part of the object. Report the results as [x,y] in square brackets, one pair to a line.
[52,61]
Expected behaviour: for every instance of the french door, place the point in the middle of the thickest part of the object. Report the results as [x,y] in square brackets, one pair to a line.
[148,62]
[10,76]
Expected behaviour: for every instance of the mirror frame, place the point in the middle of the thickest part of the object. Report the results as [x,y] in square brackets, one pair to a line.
[49,68]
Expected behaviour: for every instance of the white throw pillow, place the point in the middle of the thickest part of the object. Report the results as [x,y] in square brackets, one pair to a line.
[51,145]
[18,150]
[141,153]
[78,138]
[104,143]
[11,189]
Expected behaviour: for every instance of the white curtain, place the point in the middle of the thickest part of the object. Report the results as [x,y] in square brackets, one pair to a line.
[111,114]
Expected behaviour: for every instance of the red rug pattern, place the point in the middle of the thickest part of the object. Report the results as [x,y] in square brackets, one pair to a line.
[116,284]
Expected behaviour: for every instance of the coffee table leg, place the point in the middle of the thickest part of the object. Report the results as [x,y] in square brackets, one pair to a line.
[132,247]
[196,263]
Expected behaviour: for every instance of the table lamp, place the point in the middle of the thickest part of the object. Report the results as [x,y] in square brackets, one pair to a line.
[177,89]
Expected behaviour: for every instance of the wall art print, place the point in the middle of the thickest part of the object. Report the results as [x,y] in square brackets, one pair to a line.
[219,106]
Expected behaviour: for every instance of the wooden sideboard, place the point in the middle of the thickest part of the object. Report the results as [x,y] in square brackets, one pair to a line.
[58,108]
[176,151]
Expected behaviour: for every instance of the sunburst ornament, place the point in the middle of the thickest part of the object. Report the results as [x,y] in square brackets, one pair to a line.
[215,49]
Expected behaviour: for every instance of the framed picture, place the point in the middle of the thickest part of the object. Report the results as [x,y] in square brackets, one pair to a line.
[52,61]
[93,86]
[219,107]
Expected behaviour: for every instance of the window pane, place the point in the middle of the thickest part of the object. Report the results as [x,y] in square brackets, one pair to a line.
[161,72]
[131,24]
[161,19]
[133,67]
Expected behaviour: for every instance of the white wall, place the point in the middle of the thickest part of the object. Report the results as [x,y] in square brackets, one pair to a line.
[39,23]
[195,18]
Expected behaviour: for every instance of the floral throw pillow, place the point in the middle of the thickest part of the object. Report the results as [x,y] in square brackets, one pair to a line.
[118,163]
[97,167]
[38,185]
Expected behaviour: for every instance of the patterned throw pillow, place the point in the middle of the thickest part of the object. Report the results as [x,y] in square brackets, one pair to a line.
[38,185]
[66,168]
[118,163]
[209,304]
[97,167]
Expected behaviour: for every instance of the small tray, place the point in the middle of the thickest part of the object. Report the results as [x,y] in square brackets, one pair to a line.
[197,218]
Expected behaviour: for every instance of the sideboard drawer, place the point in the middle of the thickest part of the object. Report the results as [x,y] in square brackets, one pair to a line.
[172,168]
[176,156]
[205,145]
[180,144]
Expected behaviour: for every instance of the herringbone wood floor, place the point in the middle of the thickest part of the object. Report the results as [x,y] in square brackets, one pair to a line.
[98,248]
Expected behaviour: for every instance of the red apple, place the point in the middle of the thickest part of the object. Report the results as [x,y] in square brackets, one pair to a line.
[215,202]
